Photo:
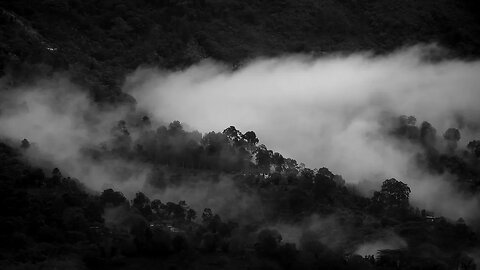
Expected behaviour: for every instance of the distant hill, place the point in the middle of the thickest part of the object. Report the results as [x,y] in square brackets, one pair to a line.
[100,41]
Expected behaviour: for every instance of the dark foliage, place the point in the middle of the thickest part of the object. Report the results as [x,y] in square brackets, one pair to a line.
[52,217]
[98,42]
[442,154]
[50,221]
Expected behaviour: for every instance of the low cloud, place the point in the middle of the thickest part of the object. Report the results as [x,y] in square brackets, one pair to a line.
[327,111]
[333,231]
[321,111]
[388,241]
[222,196]
[66,130]
[60,122]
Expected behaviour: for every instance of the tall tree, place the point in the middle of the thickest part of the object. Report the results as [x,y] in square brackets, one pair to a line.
[393,197]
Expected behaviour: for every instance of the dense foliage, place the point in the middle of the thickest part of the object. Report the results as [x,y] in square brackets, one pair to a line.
[98,42]
[440,153]
[49,220]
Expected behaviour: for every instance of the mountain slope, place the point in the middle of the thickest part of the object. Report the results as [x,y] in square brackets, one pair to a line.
[99,42]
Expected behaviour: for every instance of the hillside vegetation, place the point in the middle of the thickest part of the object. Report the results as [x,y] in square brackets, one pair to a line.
[51,220]
[98,42]
[258,209]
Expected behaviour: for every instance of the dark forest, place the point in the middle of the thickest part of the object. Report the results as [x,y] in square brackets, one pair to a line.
[205,134]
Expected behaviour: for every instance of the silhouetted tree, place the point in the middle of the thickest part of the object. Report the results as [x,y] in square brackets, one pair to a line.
[263,156]
[452,136]
[250,137]
[393,197]
[175,128]
[324,183]
[175,210]
[233,135]
[112,198]
[406,128]
[191,215]
[474,147]
[156,205]
[207,215]
[142,203]
[427,134]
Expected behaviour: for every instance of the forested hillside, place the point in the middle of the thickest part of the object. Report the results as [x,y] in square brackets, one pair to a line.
[98,42]
[50,220]
[90,179]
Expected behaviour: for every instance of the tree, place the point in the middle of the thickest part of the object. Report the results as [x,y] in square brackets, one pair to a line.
[427,135]
[263,157]
[175,210]
[452,136]
[405,128]
[142,203]
[307,175]
[156,205]
[233,135]
[251,138]
[56,173]
[214,142]
[175,128]
[324,183]
[191,215]
[113,198]
[140,200]
[393,196]
[207,215]
[56,177]
[291,166]
[474,147]
[278,161]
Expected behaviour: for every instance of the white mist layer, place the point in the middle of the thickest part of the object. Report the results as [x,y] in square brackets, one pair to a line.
[391,241]
[326,111]
[60,121]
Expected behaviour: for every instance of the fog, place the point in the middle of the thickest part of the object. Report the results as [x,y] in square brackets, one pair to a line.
[336,231]
[222,196]
[321,111]
[387,241]
[60,121]
[326,111]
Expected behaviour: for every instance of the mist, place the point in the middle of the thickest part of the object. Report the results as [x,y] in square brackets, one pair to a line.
[60,121]
[388,241]
[63,125]
[321,111]
[327,111]
[221,195]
